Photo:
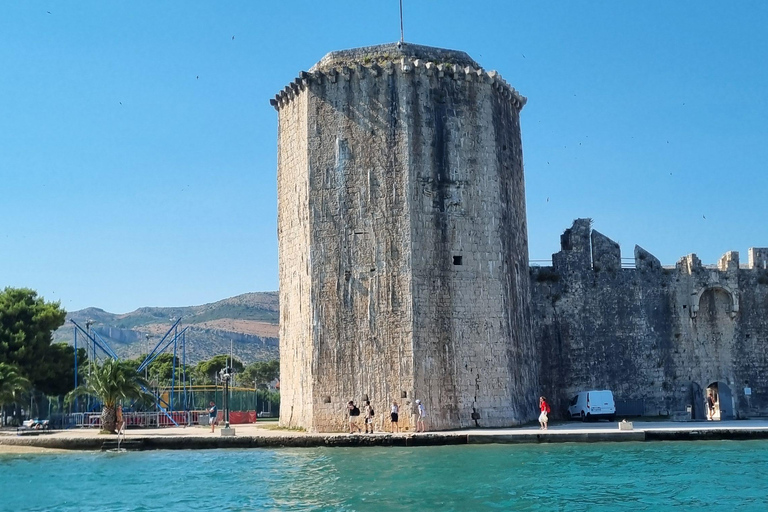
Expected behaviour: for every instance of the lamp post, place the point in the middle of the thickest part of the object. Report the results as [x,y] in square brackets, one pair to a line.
[226,375]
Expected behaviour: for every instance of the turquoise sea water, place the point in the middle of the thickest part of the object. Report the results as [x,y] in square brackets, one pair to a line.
[607,476]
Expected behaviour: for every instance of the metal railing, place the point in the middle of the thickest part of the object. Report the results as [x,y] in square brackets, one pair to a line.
[625,263]
[138,419]
[145,419]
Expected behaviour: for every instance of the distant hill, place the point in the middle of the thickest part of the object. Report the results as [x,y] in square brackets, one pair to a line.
[249,320]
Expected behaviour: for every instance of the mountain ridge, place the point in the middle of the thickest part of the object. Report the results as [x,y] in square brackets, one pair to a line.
[249,320]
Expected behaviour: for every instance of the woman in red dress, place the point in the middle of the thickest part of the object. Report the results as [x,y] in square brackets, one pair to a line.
[544,416]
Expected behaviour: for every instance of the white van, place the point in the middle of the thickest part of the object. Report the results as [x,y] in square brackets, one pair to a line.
[592,405]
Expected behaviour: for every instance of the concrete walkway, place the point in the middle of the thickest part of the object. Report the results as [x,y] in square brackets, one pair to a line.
[266,435]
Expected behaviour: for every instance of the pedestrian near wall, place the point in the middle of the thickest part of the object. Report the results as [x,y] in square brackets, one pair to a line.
[710,406]
[354,412]
[394,417]
[544,416]
[421,412]
[368,417]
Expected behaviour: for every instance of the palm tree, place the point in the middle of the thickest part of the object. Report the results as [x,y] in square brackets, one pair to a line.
[110,383]
[12,385]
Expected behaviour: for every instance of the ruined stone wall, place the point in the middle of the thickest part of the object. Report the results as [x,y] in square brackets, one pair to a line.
[750,351]
[653,335]
[414,159]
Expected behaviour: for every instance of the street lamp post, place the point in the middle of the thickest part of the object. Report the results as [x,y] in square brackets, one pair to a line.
[226,376]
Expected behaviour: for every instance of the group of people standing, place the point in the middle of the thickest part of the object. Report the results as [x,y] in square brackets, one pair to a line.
[420,415]
[354,413]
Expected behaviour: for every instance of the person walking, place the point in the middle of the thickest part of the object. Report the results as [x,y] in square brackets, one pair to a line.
[710,406]
[354,413]
[421,413]
[120,421]
[393,417]
[213,411]
[544,416]
[368,417]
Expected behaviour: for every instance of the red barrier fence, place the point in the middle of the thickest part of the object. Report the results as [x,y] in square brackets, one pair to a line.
[237,417]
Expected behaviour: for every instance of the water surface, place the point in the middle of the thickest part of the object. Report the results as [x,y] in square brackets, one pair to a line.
[718,475]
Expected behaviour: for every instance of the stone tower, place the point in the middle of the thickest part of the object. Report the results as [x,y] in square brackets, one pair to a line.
[403,241]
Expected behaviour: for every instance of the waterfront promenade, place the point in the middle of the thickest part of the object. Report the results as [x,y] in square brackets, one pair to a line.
[265,435]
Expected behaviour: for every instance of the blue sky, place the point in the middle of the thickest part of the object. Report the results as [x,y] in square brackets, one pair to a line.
[138,146]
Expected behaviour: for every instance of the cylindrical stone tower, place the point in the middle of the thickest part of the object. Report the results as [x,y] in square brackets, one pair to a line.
[403,242]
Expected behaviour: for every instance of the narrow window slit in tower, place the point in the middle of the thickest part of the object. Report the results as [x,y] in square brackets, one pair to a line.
[457,260]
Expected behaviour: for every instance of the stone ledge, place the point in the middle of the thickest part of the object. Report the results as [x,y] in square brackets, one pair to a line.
[302,440]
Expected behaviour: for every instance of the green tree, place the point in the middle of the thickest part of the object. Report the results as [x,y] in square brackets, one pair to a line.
[56,370]
[207,370]
[110,383]
[260,373]
[270,396]
[26,326]
[160,368]
[12,385]
[133,364]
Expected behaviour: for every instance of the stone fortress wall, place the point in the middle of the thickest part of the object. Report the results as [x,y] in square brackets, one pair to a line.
[404,267]
[658,337]
[403,241]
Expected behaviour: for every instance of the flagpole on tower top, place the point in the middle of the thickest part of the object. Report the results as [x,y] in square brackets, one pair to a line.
[401,22]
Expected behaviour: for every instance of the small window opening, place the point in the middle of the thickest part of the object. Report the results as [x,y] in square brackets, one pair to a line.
[327,399]
[457,260]
[404,394]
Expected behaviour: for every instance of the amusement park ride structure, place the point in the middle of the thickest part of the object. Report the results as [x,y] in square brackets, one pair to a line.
[96,346]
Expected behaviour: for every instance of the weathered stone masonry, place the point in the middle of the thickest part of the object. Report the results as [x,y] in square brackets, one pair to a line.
[658,337]
[404,266]
[403,241]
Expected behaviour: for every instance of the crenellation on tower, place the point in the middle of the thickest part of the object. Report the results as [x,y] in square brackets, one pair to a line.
[381,58]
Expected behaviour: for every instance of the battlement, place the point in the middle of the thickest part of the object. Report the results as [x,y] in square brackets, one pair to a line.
[372,62]
[758,257]
[657,336]
[583,247]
